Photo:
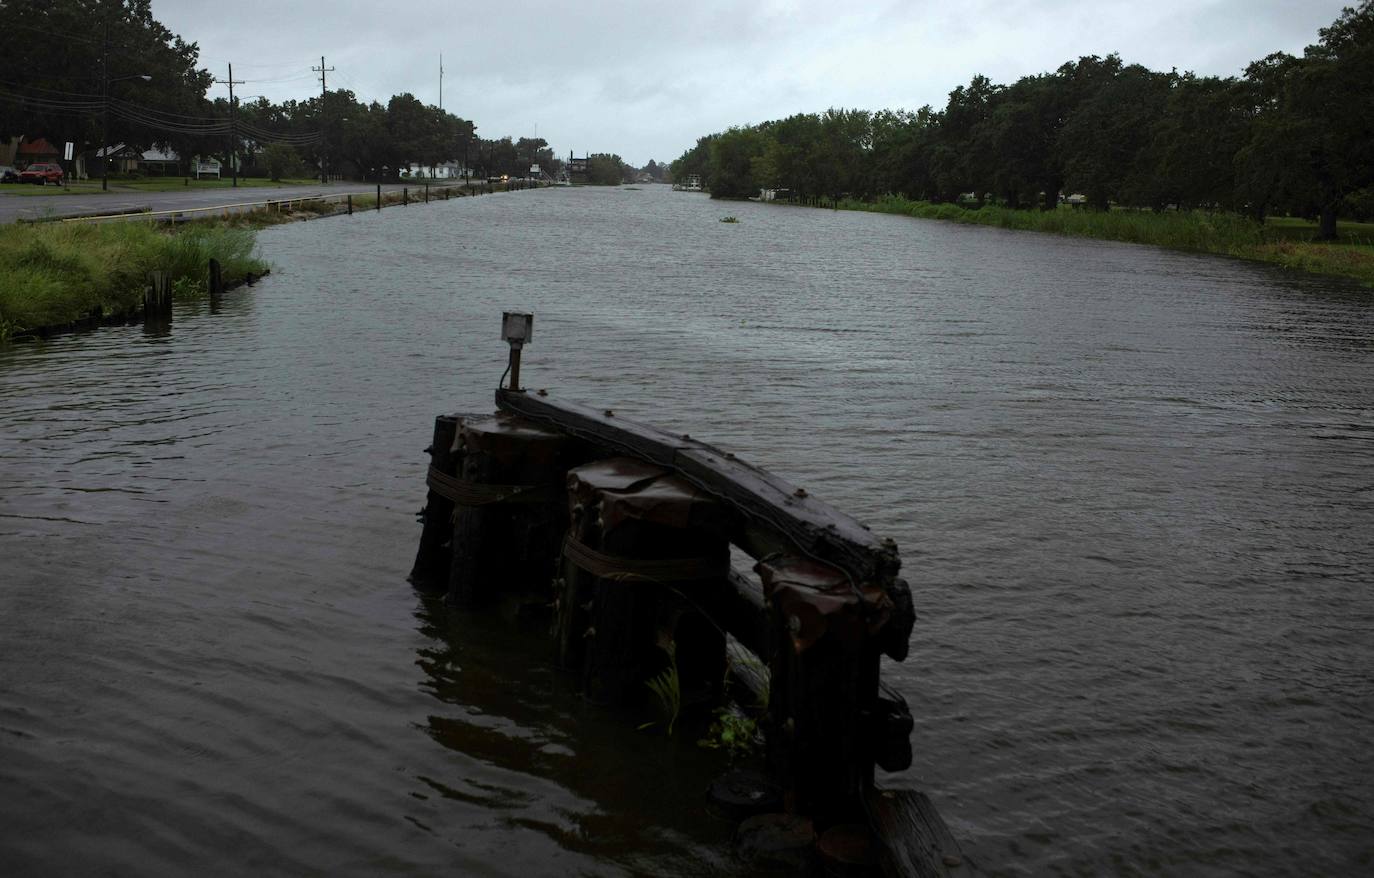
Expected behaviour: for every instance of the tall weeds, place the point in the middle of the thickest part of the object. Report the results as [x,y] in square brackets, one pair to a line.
[1226,234]
[1191,230]
[56,273]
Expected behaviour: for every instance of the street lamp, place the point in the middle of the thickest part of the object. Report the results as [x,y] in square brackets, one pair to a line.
[105,81]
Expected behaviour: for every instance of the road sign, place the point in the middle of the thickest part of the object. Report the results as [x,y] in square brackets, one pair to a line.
[67,153]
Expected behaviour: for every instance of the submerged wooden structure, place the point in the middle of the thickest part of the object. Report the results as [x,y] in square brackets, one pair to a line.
[629,531]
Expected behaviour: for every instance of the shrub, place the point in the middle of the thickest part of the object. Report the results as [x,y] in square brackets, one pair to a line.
[280,159]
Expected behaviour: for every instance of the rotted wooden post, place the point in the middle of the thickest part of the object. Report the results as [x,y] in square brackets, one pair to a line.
[216,280]
[379,196]
[627,596]
[824,693]
[350,204]
[510,510]
[405,196]
[157,298]
[432,561]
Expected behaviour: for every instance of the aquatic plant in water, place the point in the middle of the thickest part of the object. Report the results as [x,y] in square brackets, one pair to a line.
[733,732]
[667,687]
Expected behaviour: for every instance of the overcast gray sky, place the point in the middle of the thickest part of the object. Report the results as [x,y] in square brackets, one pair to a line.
[646,79]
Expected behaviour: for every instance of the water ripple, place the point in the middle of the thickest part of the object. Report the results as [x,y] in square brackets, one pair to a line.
[1132,490]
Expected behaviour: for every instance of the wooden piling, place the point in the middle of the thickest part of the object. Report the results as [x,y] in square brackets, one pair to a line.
[824,686]
[350,204]
[405,196]
[426,193]
[216,280]
[379,196]
[431,569]
[634,572]
[510,511]
[157,298]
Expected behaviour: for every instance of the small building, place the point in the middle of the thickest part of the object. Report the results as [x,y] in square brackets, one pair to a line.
[159,163]
[125,159]
[441,171]
[39,150]
[579,169]
[122,159]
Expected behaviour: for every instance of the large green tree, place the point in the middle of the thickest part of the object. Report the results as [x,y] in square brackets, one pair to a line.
[58,58]
[1326,106]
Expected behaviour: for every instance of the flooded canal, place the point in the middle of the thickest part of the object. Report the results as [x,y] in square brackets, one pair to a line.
[1133,489]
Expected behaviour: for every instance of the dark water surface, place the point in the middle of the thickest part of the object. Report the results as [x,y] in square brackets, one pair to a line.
[1134,492]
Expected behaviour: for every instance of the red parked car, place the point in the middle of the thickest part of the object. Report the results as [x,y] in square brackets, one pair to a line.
[42,173]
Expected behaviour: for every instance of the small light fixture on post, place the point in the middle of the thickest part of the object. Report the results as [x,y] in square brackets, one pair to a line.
[516,328]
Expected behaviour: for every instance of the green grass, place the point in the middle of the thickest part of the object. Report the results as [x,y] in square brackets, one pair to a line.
[1283,241]
[1292,228]
[56,273]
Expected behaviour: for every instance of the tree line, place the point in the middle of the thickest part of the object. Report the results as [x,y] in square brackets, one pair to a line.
[106,72]
[1293,135]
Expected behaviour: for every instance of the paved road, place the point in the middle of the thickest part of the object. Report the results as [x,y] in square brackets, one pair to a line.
[14,207]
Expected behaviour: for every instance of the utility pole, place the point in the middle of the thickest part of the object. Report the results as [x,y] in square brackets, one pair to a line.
[441,82]
[233,144]
[324,142]
[105,110]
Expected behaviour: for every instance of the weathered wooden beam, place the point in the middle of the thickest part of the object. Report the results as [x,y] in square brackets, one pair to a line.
[917,842]
[811,525]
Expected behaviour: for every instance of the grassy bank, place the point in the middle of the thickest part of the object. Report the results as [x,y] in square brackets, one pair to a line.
[56,273]
[1284,242]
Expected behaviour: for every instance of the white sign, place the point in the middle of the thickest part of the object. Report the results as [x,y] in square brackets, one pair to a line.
[67,153]
[534,169]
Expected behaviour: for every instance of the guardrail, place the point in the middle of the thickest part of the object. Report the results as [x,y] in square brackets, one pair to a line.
[181,214]
[224,209]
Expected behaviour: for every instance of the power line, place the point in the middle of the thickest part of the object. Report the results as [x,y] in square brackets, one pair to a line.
[159,120]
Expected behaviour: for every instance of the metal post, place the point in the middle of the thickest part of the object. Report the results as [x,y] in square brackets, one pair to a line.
[516,329]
